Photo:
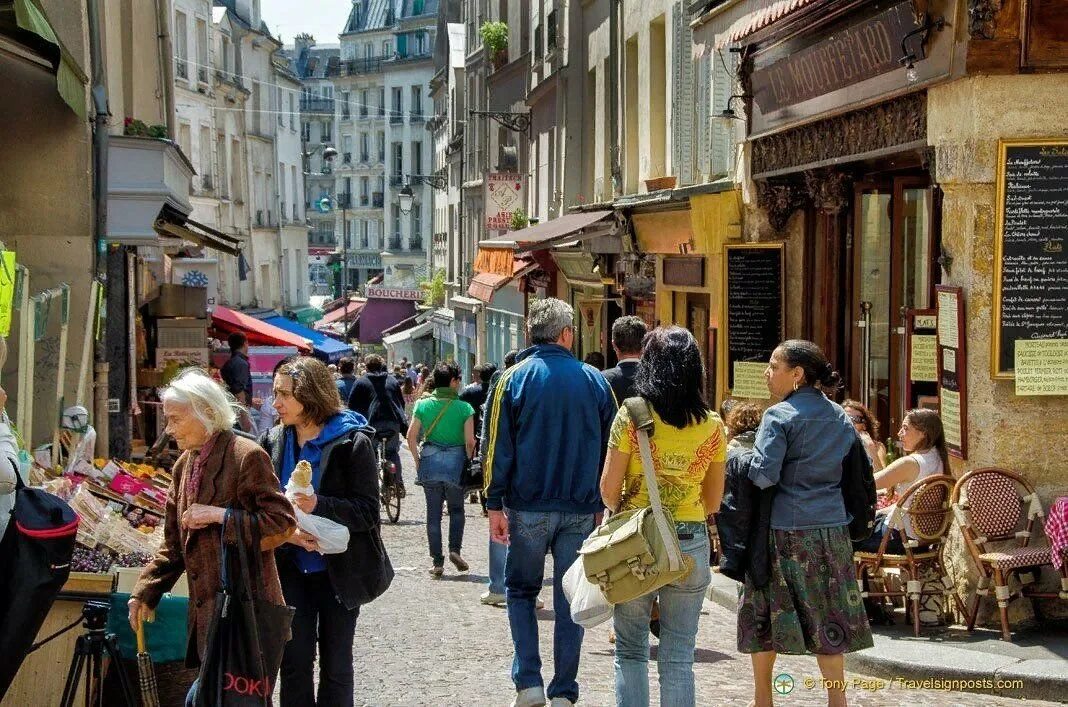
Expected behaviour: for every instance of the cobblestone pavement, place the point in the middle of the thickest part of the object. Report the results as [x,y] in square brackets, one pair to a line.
[430,642]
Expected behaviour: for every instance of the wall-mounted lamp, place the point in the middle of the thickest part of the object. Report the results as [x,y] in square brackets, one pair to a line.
[945,260]
[728,112]
[908,57]
[406,198]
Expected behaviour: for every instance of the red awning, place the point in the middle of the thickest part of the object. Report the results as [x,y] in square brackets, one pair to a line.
[758,20]
[484,284]
[226,321]
[336,315]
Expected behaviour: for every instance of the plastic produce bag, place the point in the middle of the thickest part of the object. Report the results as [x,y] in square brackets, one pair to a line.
[589,608]
[333,537]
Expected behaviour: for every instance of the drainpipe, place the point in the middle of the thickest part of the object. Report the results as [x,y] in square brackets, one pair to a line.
[101,114]
[166,51]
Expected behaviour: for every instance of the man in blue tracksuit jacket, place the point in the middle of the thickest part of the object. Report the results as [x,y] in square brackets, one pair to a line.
[546,425]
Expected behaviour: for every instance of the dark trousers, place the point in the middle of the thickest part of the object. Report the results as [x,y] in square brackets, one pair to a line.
[439,494]
[319,620]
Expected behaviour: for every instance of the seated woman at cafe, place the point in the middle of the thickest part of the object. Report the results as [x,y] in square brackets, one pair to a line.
[867,428]
[924,442]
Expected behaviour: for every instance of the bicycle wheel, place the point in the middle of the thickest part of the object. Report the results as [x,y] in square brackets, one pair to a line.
[392,502]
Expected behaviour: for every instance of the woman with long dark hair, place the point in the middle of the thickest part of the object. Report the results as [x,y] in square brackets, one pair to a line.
[689,453]
[811,603]
[867,428]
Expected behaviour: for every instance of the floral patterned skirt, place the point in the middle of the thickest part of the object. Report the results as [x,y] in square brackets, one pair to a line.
[811,604]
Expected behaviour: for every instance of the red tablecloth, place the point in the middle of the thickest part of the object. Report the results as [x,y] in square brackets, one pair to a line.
[1057,530]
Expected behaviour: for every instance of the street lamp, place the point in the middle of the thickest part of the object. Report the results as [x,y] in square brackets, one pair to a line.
[406,199]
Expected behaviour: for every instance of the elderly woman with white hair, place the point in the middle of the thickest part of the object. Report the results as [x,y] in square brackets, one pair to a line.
[216,470]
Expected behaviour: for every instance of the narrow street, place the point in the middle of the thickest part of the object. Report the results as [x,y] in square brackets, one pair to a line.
[430,642]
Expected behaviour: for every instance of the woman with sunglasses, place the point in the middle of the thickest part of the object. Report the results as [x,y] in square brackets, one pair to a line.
[867,428]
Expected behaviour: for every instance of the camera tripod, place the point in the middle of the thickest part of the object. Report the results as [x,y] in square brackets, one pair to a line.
[89,657]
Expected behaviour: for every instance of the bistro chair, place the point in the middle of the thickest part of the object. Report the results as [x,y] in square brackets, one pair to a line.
[990,508]
[925,505]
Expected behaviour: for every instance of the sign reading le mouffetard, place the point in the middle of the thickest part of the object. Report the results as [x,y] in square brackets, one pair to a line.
[505,192]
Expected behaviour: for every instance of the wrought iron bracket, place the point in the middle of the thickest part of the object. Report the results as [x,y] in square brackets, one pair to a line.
[516,122]
[436,181]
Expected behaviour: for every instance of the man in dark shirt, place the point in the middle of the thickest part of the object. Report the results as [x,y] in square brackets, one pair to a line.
[377,396]
[627,336]
[236,373]
[475,394]
[347,369]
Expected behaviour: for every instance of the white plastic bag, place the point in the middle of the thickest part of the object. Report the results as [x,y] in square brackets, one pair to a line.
[589,608]
[333,537]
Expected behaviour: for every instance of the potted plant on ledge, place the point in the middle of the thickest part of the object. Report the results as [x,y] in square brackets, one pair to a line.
[495,39]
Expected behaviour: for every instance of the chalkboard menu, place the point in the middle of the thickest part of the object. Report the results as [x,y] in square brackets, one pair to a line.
[952,360]
[1030,248]
[753,299]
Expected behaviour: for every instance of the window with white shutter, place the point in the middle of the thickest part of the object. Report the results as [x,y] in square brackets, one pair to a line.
[683,106]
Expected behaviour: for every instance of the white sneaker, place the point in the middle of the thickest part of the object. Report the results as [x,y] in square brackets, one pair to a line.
[530,697]
[492,599]
[538,603]
[560,702]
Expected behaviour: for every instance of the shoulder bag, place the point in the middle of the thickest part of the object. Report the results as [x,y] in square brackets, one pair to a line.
[247,633]
[636,552]
[433,425]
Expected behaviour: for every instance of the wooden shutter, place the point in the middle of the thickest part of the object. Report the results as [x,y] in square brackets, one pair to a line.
[703,105]
[683,106]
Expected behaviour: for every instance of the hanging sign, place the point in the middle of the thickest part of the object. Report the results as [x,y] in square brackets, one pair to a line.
[7,289]
[505,192]
[921,383]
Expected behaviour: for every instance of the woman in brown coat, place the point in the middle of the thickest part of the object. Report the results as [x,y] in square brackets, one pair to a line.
[216,469]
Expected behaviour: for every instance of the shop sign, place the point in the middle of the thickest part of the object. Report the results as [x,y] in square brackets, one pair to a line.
[404,293]
[862,51]
[365,260]
[198,272]
[684,272]
[504,193]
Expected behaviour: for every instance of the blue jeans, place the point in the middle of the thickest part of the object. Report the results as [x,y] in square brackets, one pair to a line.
[498,553]
[393,445]
[532,536]
[439,494]
[680,609]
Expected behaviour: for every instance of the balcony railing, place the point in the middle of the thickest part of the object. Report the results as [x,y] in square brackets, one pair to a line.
[371,65]
[344,200]
[259,217]
[346,158]
[395,242]
[364,200]
[381,156]
[396,117]
[376,199]
[415,243]
[363,112]
[182,69]
[396,180]
[317,105]
[364,158]
[417,117]
[202,74]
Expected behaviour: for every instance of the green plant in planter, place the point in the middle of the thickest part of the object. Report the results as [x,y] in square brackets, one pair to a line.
[519,220]
[494,37]
[138,128]
[434,289]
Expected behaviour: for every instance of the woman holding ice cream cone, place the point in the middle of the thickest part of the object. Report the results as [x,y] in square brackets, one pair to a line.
[327,464]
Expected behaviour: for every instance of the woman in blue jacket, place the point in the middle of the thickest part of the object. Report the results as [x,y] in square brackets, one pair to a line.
[811,603]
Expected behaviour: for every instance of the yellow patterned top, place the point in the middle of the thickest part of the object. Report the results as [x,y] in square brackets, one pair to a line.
[680,459]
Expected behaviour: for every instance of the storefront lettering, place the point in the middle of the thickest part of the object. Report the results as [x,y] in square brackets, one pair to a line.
[395,293]
[843,58]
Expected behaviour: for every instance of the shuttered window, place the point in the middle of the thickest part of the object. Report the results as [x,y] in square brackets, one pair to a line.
[684,108]
[724,65]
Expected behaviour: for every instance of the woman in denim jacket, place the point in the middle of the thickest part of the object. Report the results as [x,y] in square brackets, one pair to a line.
[812,603]
[449,441]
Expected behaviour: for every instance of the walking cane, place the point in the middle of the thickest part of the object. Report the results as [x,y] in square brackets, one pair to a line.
[145,672]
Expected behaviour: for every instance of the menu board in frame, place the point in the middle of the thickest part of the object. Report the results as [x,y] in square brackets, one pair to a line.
[952,368]
[1030,248]
[754,303]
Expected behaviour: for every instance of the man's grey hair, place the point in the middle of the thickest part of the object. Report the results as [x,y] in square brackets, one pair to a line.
[547,319]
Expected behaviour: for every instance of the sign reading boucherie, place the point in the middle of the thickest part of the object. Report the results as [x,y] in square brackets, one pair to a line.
[844,57]
[505,193]
[395,293]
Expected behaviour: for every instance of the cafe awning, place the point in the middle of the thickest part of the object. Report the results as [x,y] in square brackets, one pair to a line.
[485,284]
[307,315]
[543,235]
[324,347]
[415,332]
[32,30]
[757,20]
[198,233]
[343,313]
[379,315]
[225,321]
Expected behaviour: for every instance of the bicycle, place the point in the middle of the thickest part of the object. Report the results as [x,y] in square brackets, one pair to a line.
[389,487]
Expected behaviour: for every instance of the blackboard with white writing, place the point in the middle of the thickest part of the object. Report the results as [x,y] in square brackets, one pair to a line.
[1031,287]
[754,303]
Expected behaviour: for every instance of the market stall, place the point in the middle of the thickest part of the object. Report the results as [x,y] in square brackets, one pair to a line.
[325,348]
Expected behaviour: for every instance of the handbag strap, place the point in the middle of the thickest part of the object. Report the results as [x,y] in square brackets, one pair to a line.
[674,556]
[437,419]
[250,588]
